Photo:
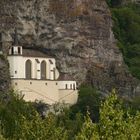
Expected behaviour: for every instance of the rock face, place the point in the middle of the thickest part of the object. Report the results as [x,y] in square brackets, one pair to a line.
[4,74]
[78,34]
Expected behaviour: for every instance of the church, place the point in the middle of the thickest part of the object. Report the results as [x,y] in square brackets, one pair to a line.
[35,76]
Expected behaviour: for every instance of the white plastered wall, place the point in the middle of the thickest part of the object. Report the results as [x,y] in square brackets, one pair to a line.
[68,92]
[68,84]
[57,73]
[46,91]
[17,67]
[68,96]
[49,91]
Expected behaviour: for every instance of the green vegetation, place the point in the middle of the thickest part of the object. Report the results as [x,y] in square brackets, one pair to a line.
[113,3]
[20,120]
[115,123]
[127,32]
[89,99]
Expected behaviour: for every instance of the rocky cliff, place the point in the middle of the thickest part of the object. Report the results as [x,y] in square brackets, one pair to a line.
[78,33]
[4,75]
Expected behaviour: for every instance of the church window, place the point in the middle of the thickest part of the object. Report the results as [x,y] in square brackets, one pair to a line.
[19,50]
[16,84]
[28,69]
[12,50]
[43,70]
[30,83]
[74,86]
[66,86]
[15,72]
[70,86]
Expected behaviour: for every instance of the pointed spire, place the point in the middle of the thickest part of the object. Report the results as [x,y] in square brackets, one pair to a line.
[16,37]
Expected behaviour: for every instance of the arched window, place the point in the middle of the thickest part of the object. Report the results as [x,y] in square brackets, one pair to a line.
[43,70]
[19,51]
[28,69]
[74,87]
[66,86]
[12,50]
[70,86]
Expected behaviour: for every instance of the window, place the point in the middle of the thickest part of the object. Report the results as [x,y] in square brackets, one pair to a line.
[12,50]
[74,86]
[28,69]
[19,50]
[66,86]
[15,72]
[43,70]
[70,86]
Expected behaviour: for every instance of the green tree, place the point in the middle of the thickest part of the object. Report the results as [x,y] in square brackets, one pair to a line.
[127,31]
[89,99]
[19,120]
[114,123]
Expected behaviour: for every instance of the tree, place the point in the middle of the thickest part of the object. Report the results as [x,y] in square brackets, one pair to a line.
[19,120]
[89,99]
[127,30]
[114,123]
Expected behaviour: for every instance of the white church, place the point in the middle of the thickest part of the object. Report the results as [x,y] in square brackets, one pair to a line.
[35,76]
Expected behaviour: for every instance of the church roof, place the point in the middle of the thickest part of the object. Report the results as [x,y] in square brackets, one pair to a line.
[34,53]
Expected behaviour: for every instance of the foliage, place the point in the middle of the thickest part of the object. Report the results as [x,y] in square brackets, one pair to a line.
[89,99]
[115,123]
[19,120]
[127,31]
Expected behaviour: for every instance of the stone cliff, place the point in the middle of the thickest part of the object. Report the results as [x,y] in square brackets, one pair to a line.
[78,33]
[4,75]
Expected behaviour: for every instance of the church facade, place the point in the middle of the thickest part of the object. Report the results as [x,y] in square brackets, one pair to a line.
[35,76]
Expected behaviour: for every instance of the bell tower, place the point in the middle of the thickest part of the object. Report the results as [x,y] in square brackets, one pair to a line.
[16,49]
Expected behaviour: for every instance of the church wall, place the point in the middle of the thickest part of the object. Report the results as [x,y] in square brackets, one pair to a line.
[68,96]
[57,73]
[67,84]
[52,66]
[16,67]
[37,74]
[36,68]
[47,91]
[17,63]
